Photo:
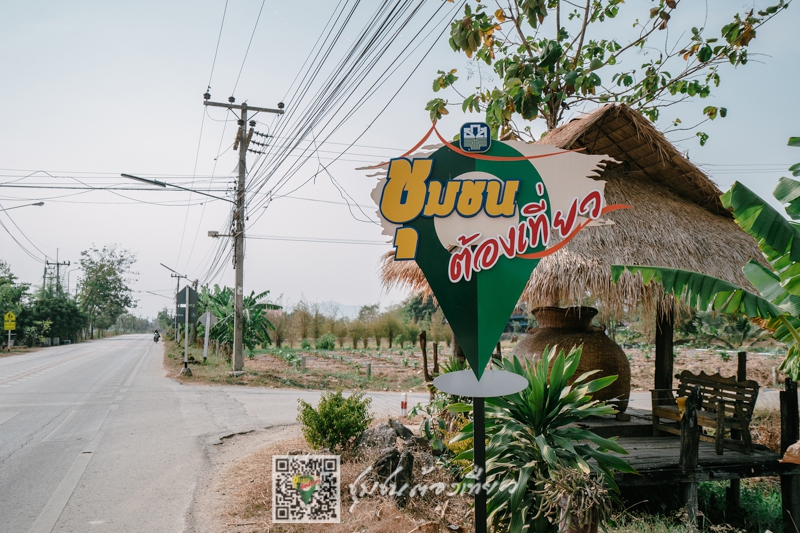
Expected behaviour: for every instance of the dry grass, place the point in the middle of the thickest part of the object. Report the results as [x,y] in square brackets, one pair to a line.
[247,491]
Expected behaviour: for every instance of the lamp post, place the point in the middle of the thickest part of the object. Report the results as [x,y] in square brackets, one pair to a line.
[25,205]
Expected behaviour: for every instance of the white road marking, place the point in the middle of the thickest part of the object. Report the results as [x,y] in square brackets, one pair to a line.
[135,370]
[47,519]
[6,416]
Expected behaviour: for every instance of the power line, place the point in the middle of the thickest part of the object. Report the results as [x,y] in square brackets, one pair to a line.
[219,38]
[317,240]
[248,47]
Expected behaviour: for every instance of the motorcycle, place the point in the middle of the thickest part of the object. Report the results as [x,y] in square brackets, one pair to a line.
[156,336]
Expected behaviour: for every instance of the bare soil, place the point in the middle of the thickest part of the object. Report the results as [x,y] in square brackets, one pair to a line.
[237,498]
[323,370]
[759,367]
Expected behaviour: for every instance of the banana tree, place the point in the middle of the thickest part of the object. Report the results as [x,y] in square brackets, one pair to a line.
[777,304]
[256,323]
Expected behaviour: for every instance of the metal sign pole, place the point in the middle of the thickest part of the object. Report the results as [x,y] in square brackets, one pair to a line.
[205,344]
[186,332]
[479,447]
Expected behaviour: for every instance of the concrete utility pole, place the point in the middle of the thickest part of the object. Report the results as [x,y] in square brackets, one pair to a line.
[242,142]
[178,277]
[58,272]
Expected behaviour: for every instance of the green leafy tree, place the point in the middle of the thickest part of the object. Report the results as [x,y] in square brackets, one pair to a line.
[128,323]
[11,291]
[777,304]
[419,308]
[164,320]
[64,316]
[554,55]
[103,290]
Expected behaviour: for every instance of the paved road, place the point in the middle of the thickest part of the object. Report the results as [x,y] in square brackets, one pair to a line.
[93,437]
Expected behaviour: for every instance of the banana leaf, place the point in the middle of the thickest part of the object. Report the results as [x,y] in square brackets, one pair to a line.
[705,293]
[778,239]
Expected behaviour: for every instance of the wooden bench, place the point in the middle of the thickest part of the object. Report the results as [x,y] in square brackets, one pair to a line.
[726,406]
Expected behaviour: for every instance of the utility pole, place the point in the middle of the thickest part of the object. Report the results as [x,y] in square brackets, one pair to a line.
[178,277]
[58,273]
[242,142]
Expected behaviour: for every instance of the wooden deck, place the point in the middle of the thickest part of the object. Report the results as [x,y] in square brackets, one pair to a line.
[657,461]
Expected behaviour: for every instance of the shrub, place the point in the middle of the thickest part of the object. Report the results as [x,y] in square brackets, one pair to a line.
[326,342]
[336,421]
[305,344]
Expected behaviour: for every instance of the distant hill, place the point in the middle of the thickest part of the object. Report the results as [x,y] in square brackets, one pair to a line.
[348,311]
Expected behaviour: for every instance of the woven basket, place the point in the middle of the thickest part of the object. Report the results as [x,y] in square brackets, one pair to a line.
[571,327]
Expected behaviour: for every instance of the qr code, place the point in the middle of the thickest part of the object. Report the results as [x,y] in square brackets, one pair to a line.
[306,489]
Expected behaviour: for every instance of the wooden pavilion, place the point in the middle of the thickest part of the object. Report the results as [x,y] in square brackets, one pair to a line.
[677,221]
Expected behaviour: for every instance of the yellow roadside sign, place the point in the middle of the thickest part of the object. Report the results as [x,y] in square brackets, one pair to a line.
[10,321]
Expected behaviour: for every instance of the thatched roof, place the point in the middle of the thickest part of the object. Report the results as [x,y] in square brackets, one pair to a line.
[677,221]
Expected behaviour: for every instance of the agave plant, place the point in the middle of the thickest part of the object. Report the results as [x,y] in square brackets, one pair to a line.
[777,306]
[256,323]
[532,436]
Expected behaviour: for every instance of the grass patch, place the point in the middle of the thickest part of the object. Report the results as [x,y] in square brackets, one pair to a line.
[760,505]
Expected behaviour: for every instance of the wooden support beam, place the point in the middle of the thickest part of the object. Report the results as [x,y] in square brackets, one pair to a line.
[458,353]
[790,433]
[423,345]
[690,447]
[733,498]
[498,354]
[665,324]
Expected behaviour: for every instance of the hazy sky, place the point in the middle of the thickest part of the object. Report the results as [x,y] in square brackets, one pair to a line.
[93,89]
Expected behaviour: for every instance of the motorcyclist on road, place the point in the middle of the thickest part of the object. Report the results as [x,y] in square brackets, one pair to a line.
[156,335]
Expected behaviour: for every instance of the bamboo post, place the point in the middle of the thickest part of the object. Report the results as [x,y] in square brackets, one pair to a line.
[435,358]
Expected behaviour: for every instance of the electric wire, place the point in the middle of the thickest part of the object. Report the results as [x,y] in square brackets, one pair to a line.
[292,172]
[255,26]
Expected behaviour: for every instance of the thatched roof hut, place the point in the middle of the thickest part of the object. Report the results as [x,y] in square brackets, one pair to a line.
[677,221]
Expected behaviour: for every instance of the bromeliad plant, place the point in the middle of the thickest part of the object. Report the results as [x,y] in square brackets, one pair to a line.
[532,436]
[777,306]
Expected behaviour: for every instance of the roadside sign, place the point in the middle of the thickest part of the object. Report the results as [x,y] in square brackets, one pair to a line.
[10,321]
[181,310]
[208,319]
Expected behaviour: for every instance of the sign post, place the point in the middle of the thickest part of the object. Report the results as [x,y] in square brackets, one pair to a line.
[10,324]
[477,217]
[187,310]
[208,319]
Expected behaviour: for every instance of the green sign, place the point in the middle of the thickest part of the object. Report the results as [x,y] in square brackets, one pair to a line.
[478,224]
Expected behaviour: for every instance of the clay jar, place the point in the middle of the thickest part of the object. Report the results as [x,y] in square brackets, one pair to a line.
[573,327]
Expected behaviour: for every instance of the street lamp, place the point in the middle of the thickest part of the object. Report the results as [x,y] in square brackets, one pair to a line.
[26,205]
[165,184]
